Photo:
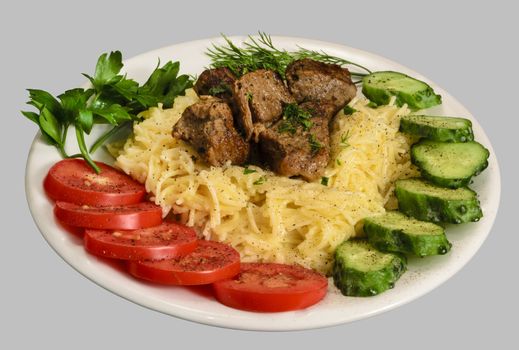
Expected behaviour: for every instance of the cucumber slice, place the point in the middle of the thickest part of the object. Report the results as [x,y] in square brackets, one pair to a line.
[361,270]
[449,164]
[379,87]
[427,202]
[446,129]
[395,232]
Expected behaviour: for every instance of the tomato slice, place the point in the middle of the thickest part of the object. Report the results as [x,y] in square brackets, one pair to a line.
[165,241]
[74,181]
[209,262]
[122,217]
[269,287]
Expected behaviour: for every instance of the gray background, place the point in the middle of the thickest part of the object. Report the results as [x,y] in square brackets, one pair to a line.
[467,48]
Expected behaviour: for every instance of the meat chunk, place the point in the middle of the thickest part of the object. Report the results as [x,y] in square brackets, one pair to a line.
[310,80]
[293,148]
[208,126]
[216,82]
[259,97]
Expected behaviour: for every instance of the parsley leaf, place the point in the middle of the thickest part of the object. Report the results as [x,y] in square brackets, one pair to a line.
[50,125]
[114,99]
[107,69]
[260,181]
[349,110]
[248,171]
[163,86]
[324,181]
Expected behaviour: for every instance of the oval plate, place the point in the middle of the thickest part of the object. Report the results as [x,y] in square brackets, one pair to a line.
[198,305]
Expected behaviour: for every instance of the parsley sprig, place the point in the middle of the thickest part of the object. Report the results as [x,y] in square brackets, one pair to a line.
[260,53]
[113,99]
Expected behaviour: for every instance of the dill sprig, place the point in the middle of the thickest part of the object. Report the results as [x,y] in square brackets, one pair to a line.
[260,53]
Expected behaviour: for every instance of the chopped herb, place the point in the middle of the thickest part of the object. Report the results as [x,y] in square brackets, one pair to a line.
[248,171]
[315,145]
[219,89]
[295,116]
[349,110]
[372,105]
[260,181]
[324,181]
[249,96]
[338,161]
[344,140]
[285,126]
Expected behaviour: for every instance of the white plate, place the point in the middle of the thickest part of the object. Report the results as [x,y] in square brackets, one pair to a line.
[191,304]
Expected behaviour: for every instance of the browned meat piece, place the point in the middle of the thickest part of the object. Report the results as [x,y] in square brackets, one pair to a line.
[310,80]
[208,127]
[292,148]
[259,97]
[216,82]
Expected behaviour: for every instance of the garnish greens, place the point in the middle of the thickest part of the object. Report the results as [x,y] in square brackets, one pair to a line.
[324,181]
[219,89]
[248,171]
[294,116]
[260,181]
[260,53]
[349,110]
[344,140]
[113,98]
[315,145]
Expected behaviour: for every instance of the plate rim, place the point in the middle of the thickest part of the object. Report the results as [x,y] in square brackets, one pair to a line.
[200,317]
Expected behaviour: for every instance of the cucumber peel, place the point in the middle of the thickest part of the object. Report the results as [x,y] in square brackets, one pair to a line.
[438,128]
[379,87]
[427,202]
[449,164]
[361,270]
[395,232]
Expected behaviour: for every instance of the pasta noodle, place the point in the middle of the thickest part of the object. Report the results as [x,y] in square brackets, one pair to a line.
[268,217]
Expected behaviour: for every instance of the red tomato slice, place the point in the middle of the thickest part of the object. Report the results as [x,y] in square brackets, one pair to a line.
[74,181]
[272,287]
[122,217]
[209,262]
[165,241]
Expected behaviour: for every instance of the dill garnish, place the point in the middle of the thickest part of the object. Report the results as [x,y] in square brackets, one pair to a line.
[260,181]
[219,89]
[344,140]
[315,145]
[324,181]
[248,171]
[294,116]
[260,53]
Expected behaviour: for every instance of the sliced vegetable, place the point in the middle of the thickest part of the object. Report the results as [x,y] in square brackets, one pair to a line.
[165,241]
[449,164]
[126,217]
[74,181]
[269,287]
[361,270]
[446,129]
[379,87]
[428,202]
[395,232]
[209,262]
